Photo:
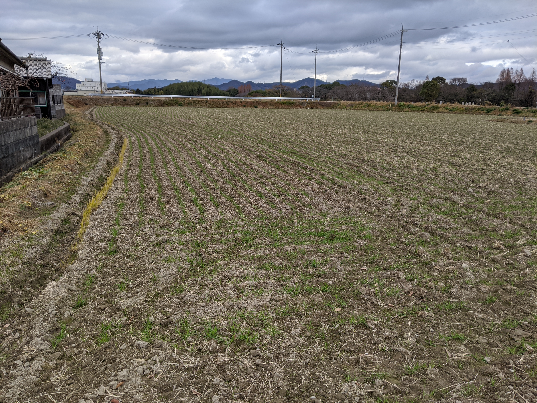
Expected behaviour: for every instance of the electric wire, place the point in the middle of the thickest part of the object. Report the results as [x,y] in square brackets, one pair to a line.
[366,43]
[44,37]
[475,25]
[511,43]
[186,47]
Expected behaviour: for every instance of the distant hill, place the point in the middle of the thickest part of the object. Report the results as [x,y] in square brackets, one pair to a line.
[144,84]
[297,84]
[365,83]
[215,81]
[67,83]
[221,83]
[256,86]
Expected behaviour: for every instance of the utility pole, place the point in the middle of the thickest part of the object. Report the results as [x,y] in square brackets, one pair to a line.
[99,35]
[399,66]
[315,79]
[281,65]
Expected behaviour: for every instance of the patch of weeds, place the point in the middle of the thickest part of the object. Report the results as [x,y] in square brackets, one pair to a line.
[360,320]
[246,336]
[446,289]
[490,300]
[350,378]
[211,332]
[313,263]
[90,279]
[518,349]
[107,331]
[415,369]
[372,377]
[177,289]
[247,238]
[438,393]
[5,312]
[147,334]
[392,291]
[273,330]
[184,330]
[429,342]
[299,289]
[411,311]
[80,302]
[510,323]
[122,286]
[454,336]
[60,336]
[472,390]
[112,245]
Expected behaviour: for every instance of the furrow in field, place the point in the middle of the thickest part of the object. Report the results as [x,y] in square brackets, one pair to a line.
[212,167]
[225,195]
[201,193]
[170,196]
[215,132]
[373,164]
[288,165]
[236,186]
[296,196]
[185,194]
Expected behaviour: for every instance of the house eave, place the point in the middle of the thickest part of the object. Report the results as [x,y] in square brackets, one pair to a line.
[12,57]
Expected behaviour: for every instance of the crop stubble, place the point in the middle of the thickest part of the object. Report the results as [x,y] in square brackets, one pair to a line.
[283,254]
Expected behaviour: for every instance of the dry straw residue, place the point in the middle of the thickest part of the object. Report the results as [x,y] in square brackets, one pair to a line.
[96,200]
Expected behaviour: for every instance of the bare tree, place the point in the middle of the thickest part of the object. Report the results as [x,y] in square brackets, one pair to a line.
[11,105]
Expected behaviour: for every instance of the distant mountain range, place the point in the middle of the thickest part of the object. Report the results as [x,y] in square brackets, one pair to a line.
[221,83]
[143,84]
[297,84]
[216,81]
[67,83]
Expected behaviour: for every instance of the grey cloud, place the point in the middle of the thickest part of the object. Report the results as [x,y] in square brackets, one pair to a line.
[301,24]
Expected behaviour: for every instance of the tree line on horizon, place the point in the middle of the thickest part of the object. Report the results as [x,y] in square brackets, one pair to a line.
[511,87]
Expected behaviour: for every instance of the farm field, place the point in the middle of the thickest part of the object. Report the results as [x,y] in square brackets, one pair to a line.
[297,255]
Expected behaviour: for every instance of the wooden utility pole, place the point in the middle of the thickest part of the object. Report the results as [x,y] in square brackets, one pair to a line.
[281,65]
[399,66]
[99,35]
[315,79]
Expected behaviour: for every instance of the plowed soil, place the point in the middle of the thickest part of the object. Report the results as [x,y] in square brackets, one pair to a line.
[294,255]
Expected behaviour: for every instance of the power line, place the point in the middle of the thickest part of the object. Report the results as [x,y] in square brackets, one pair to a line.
[477,25]
[187,47]
[45,37]
[379,39]
[511,43]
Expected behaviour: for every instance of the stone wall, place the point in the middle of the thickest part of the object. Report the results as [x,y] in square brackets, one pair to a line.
[19,143]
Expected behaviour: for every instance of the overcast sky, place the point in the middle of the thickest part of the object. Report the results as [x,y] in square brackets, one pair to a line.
[475,51]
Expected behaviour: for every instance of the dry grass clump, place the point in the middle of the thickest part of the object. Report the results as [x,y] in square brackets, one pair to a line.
[286,255]
[33,194]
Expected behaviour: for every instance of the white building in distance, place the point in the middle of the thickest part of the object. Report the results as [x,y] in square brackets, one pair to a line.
[88,86]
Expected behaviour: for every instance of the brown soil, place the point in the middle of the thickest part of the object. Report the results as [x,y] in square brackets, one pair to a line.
[294,255]
[80,101]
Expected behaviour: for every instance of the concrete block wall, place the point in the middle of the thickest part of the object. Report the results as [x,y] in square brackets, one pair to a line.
[54,137]
[19,143]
